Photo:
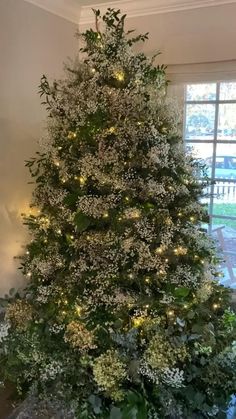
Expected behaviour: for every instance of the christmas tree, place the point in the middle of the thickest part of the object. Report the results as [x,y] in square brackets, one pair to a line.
[122,315]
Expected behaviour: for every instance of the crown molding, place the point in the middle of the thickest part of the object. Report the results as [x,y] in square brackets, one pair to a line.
[135,8]
[76,12]
[69,9]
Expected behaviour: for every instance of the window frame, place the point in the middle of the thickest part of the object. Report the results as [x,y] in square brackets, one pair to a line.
[214,141]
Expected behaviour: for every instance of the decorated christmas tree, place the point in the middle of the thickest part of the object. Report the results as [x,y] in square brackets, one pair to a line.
[122,315]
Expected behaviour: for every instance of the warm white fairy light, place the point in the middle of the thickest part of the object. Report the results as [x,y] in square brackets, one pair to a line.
[119,75]
[82,180]
[71,135]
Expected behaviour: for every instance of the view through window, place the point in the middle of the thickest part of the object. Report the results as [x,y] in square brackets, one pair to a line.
[210,129]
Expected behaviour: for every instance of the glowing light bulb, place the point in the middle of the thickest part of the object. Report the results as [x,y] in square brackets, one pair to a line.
[138,321]
[63,180]
[72,237]
[82,180]
[93,70]
[119,75]
[159,250]
[215,306]
[57,163]
[71,135]
[29,274]
[59,231]
[147,306]
[131,276]
[78,310]
[105,215]
[171,313]
[147,279]
[179,214]
[192,218]
[166,260]
[185,306]
[27,252]
[127,199]
[111,130]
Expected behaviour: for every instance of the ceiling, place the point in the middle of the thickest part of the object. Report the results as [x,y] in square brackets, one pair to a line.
[79,11]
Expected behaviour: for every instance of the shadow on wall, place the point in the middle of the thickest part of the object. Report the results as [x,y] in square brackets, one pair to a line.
[16,145]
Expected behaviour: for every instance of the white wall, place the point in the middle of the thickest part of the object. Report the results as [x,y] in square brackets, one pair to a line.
[32,42]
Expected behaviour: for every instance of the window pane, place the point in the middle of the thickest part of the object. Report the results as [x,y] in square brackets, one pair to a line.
[225,167]
[227,122]
[201,91]
[225,200]
[203,152]
[200,122]
[224,233]
[228,91]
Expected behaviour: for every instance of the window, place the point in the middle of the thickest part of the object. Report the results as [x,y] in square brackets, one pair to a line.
[210,130]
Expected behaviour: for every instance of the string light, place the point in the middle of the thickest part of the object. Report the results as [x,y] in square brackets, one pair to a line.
[185,306]
[131,276]
[63,180]
[179,214]
[82,180]
[78,310]
[119,75]
[57,163]
[93,70]
[192,219]
[59,231]
[105,215]
[27,252]
[138,321]
[166,260]
[180,251]
[159,250]
[127,199]
[111,130]
[71,135]
[171,313]
[72,237]
[215,306]
[147,279]
[29,274]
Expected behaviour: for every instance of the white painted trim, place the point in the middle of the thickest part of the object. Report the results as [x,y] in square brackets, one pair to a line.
[69,9]
[134,8]
[73,11]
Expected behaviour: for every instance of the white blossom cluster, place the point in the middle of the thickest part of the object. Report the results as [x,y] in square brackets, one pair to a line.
[56,328]
[4,330]
[173,377]
[51,370]
[151,374]
[96,206]
[184,275]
